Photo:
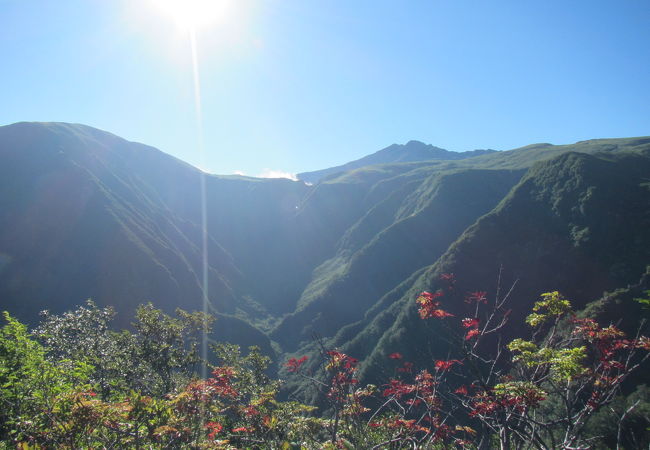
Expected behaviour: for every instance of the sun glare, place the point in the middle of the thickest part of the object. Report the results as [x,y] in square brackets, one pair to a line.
[193,14]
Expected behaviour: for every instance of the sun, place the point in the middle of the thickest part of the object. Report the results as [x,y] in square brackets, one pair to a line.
[193,14]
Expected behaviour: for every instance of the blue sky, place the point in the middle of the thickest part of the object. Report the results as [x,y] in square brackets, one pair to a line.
[295,85]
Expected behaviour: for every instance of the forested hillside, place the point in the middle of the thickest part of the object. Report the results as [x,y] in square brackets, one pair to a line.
[86,214]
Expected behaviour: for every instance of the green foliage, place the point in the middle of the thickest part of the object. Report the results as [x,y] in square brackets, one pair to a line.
[153,397]
[30,385]
[526,390]
[634,427]
[565,363]
[160,356]
[167,347]
[85,335]
[526,349]
[645,302]
[552,305]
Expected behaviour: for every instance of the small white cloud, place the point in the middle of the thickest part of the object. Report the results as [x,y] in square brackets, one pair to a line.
[239,172]
[270,173]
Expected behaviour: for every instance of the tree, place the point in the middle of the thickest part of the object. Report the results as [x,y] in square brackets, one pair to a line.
[541,392]
[559,388]
[161,355]
[167,347]
[30,385]
[538,393]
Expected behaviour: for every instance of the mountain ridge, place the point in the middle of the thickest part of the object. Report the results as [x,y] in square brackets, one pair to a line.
[410,152]
[84,213]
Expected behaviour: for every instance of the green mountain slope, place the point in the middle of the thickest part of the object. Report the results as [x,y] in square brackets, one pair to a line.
[74,227]
[87,214]
[577,223]
[373,256]
[84,213]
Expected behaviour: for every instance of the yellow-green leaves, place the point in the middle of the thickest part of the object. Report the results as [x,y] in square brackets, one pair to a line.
[553,304]
[526,348]
[565,364]
[525,392]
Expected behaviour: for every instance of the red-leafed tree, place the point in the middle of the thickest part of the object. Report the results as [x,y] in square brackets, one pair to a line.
[541,392]
[536,393]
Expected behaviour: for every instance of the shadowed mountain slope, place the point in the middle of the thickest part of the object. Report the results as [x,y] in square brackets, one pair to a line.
[577,223]
[84,213]
[87,214]
[396,237]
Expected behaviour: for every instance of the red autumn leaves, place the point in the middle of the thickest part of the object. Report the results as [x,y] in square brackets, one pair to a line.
[293,365]
[446,365]
[472,324]
[416,406]
[429,307]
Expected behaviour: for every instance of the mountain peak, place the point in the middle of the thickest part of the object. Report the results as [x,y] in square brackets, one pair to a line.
[414,143]
[412,151]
